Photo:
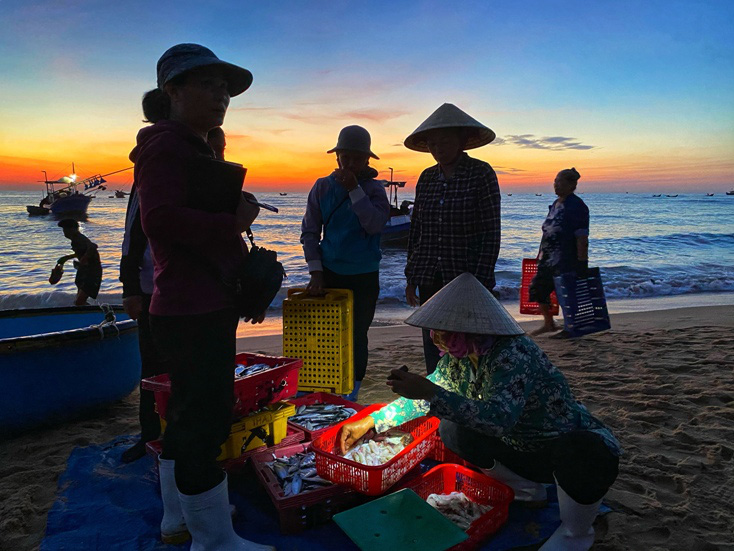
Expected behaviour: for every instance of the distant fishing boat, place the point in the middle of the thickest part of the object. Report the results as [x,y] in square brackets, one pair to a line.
[396,231]
[709,195]
[676,195]
[509,194]
[730,192]
[283,193]
[658,195]
[538,194]
[119,194]
[63,196]
[58,362]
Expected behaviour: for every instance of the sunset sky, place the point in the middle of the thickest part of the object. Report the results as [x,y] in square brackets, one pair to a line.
[636,95]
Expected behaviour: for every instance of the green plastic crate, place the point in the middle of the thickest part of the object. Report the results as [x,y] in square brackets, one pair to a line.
[399,521]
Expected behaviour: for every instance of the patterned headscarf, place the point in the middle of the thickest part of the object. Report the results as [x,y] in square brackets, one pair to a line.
[461,345]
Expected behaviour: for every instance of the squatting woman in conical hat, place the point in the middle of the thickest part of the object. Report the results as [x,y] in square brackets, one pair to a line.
[455,226]
[503,407]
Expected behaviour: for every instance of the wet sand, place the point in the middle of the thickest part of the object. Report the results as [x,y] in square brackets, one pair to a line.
[663,381]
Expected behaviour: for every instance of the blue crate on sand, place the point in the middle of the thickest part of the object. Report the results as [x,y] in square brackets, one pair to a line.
[582,302]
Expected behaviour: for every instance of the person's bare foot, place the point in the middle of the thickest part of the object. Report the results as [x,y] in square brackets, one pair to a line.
[545,329]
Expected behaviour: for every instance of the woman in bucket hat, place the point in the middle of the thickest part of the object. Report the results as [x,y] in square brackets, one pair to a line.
[340,233]
[505,408]
[455,226]
[192,312]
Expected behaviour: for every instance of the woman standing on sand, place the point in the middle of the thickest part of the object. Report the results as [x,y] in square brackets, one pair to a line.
[192,313]
[455,226]
[564,246]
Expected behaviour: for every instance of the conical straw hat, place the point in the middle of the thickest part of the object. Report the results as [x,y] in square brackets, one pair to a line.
[450,116]
[465,306]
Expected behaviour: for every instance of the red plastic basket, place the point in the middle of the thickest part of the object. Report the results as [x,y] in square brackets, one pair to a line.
[442,454]
[252,393]
[319,398]
[447,478]
[529,269]
[373,480]
[302,511]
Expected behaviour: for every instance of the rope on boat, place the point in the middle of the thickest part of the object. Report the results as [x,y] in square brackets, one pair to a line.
[109,321]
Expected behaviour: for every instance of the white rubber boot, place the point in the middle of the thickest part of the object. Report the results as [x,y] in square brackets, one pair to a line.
[210,524]
[173,525]
[576,532]
[532,494]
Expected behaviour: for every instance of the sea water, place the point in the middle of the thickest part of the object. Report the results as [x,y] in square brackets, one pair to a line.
[645,246]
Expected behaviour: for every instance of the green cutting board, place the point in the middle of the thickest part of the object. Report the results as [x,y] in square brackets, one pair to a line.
[399,521]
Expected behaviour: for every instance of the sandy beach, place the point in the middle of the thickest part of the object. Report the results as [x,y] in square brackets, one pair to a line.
[661,380]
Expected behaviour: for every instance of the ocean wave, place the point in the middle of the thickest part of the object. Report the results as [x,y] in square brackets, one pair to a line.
[619,282]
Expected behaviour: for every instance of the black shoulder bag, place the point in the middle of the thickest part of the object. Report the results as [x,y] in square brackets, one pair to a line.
[216,186]
[258,281]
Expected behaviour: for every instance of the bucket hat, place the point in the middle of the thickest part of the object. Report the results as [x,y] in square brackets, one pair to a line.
[354,138]
[450,116]
[465,306]
[182,58]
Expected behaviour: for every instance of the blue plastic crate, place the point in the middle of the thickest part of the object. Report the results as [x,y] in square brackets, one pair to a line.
[582,302]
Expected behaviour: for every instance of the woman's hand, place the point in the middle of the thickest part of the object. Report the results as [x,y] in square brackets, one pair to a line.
[246,212]
[411,386]
[133,306]
[351,432]
[256,320]
[411,296]
[315,287]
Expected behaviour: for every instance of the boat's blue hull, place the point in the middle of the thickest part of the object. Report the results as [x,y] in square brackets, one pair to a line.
[56,363]
[76,203]
[395,236]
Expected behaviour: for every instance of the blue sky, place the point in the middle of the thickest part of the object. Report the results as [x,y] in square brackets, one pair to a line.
[618,86]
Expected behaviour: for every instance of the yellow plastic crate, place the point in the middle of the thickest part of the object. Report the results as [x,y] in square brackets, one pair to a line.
[269,425]
[318,330]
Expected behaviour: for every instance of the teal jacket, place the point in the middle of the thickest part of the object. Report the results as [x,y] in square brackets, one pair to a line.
[340,230]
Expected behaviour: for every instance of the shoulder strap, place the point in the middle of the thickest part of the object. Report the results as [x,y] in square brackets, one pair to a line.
[331,214]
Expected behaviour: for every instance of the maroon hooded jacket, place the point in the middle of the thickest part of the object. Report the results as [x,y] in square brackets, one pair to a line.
[194,251]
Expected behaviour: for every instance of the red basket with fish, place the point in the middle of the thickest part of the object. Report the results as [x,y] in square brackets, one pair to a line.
[273,379]
[442,454]
[373,479]
[305,509]
[529,269]
[315,399]
[479,488]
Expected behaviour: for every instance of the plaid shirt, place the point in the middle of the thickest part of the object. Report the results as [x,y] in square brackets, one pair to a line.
[455,226]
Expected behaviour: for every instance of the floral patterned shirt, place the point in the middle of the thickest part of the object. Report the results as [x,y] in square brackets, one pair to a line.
[567,220]
[515,394]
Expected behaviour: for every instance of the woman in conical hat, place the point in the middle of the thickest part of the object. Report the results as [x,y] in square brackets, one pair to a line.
[505,408]
[455,226]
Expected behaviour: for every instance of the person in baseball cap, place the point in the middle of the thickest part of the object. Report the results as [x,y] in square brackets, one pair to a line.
[340,233]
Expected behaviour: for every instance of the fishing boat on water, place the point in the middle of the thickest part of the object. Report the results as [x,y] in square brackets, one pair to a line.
[58,362]
[63,196]
[396,231]
[730,192]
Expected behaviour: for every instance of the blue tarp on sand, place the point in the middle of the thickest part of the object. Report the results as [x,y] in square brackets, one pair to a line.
[107,505]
